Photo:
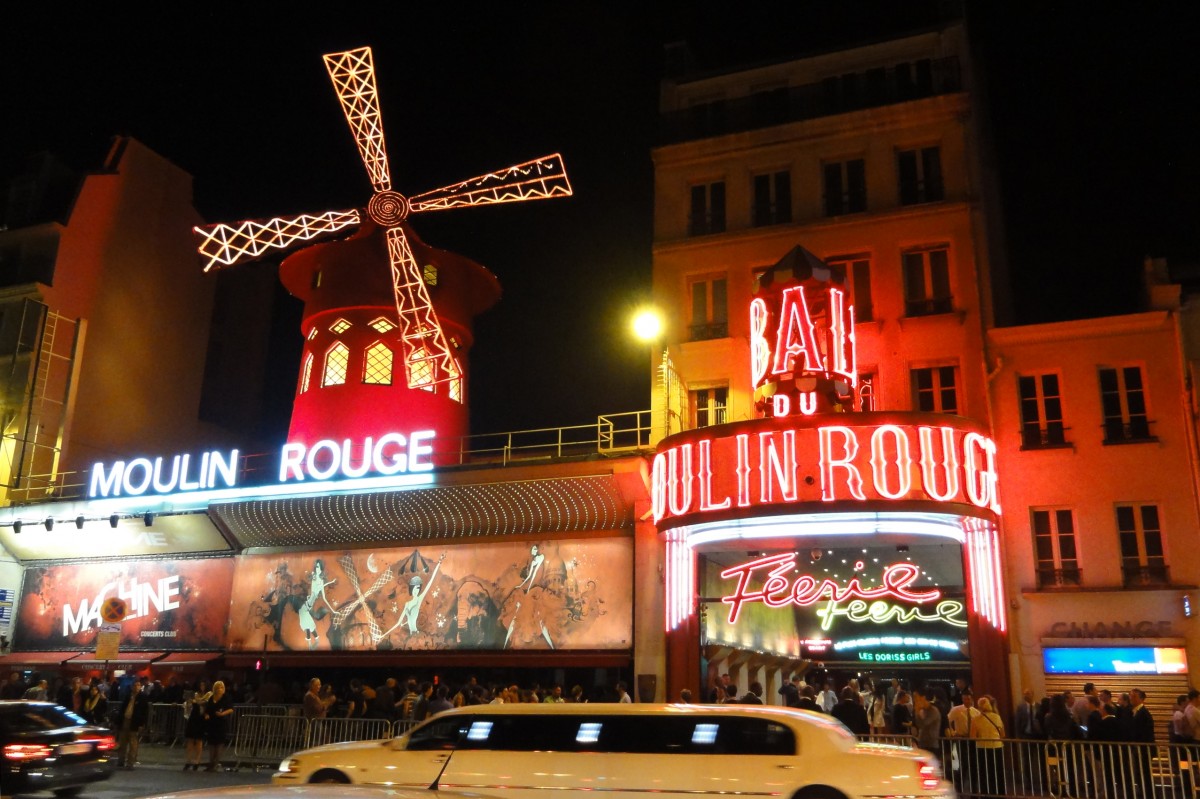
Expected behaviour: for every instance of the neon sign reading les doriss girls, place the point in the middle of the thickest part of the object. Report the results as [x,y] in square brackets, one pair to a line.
[851,600]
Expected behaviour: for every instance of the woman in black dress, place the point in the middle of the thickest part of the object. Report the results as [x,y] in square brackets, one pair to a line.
[95,707]
[216,716]
[194,729]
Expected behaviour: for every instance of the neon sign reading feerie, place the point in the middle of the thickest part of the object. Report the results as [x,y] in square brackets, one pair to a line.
[894,601]
[797,460]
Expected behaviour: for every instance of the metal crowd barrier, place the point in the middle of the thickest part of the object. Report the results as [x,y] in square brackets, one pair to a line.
[401,726]
[165,725]
[1015,769]
[894,739]
[262,710]
[328,731]
[265,740]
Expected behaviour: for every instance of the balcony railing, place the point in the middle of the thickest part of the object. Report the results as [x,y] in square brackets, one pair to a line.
[708,330]
[1034,437]
[1119,431]
[1137,574]
[1050,577]
[928,306]
[835,95]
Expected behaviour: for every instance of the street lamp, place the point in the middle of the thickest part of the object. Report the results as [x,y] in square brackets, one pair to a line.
[649,327]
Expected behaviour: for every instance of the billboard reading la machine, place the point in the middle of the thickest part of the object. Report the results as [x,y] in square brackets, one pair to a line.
[173,604]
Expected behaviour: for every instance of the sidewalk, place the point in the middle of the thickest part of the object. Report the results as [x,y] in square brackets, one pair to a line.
[171,758]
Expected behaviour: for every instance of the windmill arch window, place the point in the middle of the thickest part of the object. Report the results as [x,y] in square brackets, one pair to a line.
[337,362]
[306,373]
[339,327]
[382,324]
[420,369]
[377,365]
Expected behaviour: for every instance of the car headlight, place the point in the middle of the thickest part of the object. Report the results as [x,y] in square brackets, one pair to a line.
[289,766]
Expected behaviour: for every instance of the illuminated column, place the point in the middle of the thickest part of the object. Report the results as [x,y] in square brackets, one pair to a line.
[988,630]
[682,623]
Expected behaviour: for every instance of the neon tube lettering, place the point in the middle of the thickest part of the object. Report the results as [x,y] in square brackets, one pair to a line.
[978,453]
[658,486]
[796,335]
[678,501]
[291,462]
[805,591]
[394,463]
[419,451]
[829,463]
[837,334]
[364,466]
[880,462]
[743,469]
[774,471]
[781,405]
[706,475]
[948,611]
[930,463]
[760,350]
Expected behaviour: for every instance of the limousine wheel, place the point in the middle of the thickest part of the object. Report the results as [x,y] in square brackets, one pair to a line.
[330,777]
[819,792]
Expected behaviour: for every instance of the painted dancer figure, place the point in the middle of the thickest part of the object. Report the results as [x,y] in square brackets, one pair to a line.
[412,608]
[309,613]
[530,572]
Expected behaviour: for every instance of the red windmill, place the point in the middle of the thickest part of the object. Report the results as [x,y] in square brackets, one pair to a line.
[354,322]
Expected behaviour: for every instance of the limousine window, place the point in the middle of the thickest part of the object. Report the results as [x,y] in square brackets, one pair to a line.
[626,734]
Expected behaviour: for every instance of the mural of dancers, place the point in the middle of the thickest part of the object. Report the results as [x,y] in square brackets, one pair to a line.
[557,594]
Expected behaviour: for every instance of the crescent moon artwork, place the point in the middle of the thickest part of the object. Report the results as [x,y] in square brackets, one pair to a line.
[371,565]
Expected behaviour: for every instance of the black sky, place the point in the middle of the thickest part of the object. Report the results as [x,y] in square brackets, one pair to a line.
[1096,118]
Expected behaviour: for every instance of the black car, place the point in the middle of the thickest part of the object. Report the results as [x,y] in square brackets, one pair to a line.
[46,747]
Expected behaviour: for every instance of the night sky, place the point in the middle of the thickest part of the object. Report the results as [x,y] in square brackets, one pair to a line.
[1096,120]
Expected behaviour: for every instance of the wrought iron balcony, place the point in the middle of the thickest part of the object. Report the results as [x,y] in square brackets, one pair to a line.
[1136,574]
[1119,431]
[1049,437]
[1049,577]
[708,330]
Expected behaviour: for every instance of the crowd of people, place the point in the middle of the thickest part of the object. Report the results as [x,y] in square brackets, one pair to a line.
[938,718]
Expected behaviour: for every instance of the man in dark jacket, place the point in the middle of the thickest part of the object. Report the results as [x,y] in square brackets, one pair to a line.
[754,695]
[1140,729]
[789,692]
[850,712]
[135,712]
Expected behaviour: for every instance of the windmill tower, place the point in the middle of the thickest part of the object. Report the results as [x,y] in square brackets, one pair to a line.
[384,352]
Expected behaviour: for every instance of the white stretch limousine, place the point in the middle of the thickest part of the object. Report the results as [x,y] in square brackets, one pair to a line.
[626,751]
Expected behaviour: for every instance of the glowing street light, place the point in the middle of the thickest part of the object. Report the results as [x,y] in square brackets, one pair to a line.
[647,325]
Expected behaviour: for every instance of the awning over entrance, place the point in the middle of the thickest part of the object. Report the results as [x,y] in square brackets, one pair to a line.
[188,658]
[123,660]
[35,658]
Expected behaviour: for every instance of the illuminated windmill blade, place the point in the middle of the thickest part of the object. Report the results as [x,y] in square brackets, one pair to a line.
[225,245]
[353,76]
[539,179]
[428,359]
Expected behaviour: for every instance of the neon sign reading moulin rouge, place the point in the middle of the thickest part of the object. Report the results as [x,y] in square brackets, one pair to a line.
[851,601]
[389,454]
[855,461]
